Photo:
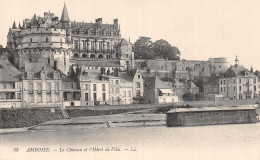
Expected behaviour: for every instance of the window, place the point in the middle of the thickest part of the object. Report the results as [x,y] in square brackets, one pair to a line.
[139,76]
[86,96]
[31,40]
[94,87]
[74,96]
[224,82]
[240,81]
[86,86]
[138,93]
[7,95]
[48,88]
[255,80]
[95,96]
[47,40]
[39,87]
[103,87]
[65,96]
[31,98]
[116,81]
[57,98]
[104,96]
[138,85]
[234,81]
[117,90]
[221,89]
[220,82]
[234,88]
[124,93]
[76,44]
[18,95]
[240,88]
[39,98]
[224,89]
[129,94]
[56,87]
[254,88]
[48,97]
[30,87]
[126,55]
[13,85]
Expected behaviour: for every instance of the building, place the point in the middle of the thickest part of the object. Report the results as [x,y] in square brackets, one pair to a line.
[62,43]
[71,90]
[42,86]
[94,88]
[210,116]
[158,92]
[183,86]
[10,86]
[239,83]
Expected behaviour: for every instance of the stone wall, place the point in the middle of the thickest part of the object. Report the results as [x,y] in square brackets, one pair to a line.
[17,118]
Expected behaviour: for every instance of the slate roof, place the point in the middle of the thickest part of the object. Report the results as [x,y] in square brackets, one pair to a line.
[64,15]
[124,42]
[8,73]
[155,82]
[99,63]
[235,71]
[37,67]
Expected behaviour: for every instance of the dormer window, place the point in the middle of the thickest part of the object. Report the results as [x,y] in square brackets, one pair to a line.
[56,75]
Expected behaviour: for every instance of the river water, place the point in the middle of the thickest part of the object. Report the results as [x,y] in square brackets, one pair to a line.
[216,142]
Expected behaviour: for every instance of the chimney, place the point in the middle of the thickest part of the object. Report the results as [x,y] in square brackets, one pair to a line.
[116,23]
[251,69]
[99,21]
[108,71]
[102,71]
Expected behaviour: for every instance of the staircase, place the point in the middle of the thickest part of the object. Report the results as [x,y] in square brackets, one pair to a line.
[65,114]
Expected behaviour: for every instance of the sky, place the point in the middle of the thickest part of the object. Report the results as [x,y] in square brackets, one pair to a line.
[201,29]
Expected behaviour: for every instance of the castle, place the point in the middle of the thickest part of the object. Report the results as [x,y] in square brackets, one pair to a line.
[62,43]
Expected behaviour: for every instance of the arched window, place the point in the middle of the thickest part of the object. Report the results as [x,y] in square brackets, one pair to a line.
[100,56]
[84,55]
[92,56]
[76,55]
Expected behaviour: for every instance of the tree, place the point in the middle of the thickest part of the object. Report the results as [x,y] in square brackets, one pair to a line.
[139,99]
[142,48]
[199,96]
[188,97]
[174,53]
[161,48]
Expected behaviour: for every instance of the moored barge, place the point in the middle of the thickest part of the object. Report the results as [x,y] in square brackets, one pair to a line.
[211,115]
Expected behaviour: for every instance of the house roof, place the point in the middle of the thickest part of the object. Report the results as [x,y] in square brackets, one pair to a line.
[8,73]
[235,71]
[37,67]
[99,63]
[155,82]
[124,42]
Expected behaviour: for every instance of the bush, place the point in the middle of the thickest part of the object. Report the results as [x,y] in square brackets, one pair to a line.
[199,96]
[188,97]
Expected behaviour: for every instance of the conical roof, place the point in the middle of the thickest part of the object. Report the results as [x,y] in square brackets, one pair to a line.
[65,15]
[14,26]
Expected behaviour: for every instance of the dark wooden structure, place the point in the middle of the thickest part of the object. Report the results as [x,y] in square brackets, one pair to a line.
[210,116]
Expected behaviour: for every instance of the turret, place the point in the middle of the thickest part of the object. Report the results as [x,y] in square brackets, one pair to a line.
[236,61]
[14,26]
